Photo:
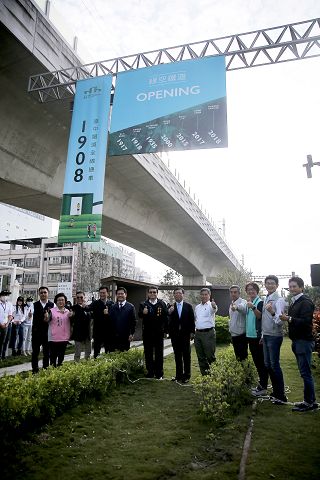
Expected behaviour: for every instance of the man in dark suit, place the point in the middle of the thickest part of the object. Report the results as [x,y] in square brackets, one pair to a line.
[181,331]
[40,329]
[101,322]
[299,318]
[123,321]
[154,315]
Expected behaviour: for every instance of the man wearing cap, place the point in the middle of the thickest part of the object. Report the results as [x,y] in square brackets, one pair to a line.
[6,316]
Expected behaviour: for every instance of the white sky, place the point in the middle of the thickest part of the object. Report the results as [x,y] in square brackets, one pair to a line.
[257,184]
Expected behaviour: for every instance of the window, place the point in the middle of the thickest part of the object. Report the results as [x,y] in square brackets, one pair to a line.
[31,278]
[32,262]
[54,260]
[65,277]
[53,277]
[17,261]
[66,259]
[30,293]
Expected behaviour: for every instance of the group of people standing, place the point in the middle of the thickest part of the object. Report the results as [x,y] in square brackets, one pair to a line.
[254,323]
[112,326]
[15,325]
[259,325]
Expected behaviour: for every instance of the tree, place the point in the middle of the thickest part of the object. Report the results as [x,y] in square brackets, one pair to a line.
[92,267]
[232,277]
[313,293]
[171,277]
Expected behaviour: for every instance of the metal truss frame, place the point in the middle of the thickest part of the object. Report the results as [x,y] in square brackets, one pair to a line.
[285,43]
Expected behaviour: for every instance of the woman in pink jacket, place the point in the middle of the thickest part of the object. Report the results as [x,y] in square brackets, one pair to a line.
[59,329]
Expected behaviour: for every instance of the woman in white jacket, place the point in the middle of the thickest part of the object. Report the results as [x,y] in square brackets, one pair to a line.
[27,327]
[17,327]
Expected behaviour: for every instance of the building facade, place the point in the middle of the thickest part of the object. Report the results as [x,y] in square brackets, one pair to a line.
[17,223]
[66,268]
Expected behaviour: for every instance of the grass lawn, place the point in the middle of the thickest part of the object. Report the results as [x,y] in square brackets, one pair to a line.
[285,444]
[152,430]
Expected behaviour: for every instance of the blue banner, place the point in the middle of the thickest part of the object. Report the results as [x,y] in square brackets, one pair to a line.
[176,106]
[81,213]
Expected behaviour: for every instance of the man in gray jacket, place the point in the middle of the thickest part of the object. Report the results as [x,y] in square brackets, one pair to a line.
[237,323]
[273,308]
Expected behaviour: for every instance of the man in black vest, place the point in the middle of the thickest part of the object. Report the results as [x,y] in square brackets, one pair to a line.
[181,331]
[123,321]
[40,329]
[101,322]
[299,318]
[154,315]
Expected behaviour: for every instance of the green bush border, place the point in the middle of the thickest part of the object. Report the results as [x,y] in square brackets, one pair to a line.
[26,402]
[226,388]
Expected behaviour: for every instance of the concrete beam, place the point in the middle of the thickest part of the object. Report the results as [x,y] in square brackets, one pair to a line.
[194,280]
[145,207]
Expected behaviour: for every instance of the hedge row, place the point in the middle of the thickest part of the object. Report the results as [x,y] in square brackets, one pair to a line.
[222,330]
[227,387]
[28,402]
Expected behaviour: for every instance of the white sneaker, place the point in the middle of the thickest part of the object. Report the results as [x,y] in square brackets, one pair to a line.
[256,392]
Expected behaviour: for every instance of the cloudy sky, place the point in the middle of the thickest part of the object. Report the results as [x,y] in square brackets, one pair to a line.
[257,184]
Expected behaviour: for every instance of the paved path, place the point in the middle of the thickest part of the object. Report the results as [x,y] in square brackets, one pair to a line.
[25,367]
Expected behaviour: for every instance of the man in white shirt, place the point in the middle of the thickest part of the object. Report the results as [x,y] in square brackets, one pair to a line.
[237,323]
[6,316]
[205,336]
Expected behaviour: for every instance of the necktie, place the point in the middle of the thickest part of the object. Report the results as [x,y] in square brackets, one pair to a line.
[179,309]
[120,305]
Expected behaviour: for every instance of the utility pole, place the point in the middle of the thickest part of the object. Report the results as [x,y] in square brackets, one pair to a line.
[310,163]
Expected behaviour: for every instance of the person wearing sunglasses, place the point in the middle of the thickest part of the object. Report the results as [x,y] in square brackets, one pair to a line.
[154,315]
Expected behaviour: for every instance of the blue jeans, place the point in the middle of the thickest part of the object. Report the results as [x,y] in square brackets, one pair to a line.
[271,353]
[303,352]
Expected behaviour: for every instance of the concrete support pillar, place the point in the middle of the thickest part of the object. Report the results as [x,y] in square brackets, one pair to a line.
[194,280]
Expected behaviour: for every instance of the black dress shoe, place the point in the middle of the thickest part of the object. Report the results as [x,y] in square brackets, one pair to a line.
[280,401]
[305,407]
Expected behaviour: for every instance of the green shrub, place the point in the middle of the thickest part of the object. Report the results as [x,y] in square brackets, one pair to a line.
[227,387]
[28,401]
[222,329]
